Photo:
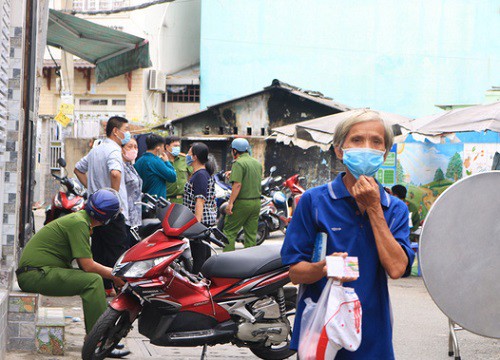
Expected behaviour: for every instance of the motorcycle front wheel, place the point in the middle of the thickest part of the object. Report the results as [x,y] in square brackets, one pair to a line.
[262,233]
[107,332]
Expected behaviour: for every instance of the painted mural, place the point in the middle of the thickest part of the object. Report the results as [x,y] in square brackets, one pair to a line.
[478,157]
[427,170]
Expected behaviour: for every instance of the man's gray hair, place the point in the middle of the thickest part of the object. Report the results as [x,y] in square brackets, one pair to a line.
[359,116]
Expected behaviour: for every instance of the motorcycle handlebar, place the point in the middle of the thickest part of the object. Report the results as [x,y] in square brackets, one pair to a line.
[150,198]
[216,241]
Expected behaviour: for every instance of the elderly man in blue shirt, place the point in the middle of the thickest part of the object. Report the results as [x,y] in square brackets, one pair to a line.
[360,219]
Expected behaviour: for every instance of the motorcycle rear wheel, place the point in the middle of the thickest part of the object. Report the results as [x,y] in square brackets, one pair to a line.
[284,351]
[107,332]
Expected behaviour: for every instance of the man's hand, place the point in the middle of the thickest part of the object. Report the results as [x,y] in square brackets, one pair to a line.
[366,192]
[227,174]
[164,156]
[118,282]
[229,208]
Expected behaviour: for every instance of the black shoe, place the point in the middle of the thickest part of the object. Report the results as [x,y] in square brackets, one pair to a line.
[119,346]
[118,354]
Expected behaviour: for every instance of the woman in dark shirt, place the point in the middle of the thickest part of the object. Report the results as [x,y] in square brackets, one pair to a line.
[199,197]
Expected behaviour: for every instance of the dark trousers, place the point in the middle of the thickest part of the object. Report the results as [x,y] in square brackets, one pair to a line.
[108,243]
[200,253]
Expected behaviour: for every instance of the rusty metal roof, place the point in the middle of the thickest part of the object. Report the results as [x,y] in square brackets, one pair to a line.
[314,96]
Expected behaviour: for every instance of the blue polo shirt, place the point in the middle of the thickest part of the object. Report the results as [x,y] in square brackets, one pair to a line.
[331,209]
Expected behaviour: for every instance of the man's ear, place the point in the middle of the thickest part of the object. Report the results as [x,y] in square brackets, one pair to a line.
[338,152]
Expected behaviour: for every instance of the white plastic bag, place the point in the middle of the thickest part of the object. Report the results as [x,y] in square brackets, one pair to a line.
[334,322]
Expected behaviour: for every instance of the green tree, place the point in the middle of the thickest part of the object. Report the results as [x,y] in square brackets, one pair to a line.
[400,173]
[455,168]
[438,175]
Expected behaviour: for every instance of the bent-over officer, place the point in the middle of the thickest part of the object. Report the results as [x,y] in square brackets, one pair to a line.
[45,264]
[244,203]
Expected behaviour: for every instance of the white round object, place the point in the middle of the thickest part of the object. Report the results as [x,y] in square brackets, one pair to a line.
[460,253]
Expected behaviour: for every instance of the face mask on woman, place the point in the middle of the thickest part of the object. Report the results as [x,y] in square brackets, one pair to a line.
[363,161]
[130,155]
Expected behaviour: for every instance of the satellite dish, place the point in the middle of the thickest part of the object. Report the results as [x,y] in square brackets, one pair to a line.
[460,253]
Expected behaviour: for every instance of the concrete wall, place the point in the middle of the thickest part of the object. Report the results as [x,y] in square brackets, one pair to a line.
[399,56]
[4,306]
[75,149]
[177,110]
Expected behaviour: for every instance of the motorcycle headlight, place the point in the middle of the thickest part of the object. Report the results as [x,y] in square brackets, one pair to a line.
[57,201]
[136,269]
[78,206]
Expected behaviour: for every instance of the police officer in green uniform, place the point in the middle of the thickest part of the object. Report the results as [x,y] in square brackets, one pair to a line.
[45,264]
[175,190]
[244,203]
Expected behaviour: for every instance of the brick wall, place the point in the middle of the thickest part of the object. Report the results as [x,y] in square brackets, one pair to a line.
[117,86]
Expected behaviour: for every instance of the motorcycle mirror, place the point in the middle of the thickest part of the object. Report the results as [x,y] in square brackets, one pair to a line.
[61,162]
[273,169]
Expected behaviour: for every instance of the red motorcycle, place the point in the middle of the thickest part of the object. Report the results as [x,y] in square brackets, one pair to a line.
[238,297]
[294,190]
[70,197]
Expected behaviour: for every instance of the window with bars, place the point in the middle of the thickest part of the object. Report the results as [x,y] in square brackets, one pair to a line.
[183,93]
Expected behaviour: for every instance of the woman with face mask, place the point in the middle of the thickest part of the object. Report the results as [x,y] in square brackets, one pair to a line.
[133,183]
[199,197]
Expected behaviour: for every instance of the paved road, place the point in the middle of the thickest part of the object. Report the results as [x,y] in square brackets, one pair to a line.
[420,331]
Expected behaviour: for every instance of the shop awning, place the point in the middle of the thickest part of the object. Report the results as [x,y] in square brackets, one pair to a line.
[113,52]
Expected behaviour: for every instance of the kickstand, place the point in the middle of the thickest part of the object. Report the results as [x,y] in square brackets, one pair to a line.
[204,352]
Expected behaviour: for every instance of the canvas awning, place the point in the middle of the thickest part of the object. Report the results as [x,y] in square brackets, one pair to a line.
[473,118]
[113,52]
[319,132]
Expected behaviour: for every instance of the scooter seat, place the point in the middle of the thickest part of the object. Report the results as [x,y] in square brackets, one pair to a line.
[244,263]
[151,222]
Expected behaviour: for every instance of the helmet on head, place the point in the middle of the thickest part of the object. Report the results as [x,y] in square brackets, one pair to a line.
[240,145]
[103,205]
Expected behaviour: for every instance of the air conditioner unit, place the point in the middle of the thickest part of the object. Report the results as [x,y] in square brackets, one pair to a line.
[157,81]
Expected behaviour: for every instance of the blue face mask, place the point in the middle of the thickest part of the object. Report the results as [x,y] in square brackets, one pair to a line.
[189,160]
[176,150]
[126,139]
[363,161]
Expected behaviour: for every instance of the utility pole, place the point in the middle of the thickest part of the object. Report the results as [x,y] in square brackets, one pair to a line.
[25,218]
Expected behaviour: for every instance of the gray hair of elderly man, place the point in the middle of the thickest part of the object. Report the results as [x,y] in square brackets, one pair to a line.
[360,116]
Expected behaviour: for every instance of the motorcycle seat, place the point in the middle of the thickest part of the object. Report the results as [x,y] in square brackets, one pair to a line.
[243,263]
[150,222]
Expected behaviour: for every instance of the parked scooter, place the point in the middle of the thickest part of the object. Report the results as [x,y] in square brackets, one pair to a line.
[69,199]
[239,297]
[293,191]
[222,190]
